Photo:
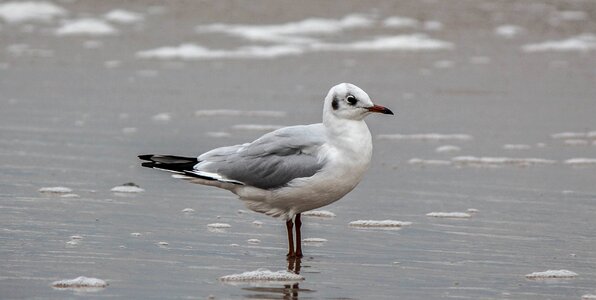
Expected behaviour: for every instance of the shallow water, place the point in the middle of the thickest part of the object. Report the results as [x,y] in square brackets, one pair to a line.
[76,110]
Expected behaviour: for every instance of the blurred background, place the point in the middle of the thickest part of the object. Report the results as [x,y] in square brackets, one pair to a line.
[495,106]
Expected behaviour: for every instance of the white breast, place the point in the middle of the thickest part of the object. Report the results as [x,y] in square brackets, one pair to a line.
[347,159]
[347,156]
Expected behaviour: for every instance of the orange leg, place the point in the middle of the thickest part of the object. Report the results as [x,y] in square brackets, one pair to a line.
[289,227]
[298,224]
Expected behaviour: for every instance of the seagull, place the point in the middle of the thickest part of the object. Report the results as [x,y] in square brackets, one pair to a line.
[293,169]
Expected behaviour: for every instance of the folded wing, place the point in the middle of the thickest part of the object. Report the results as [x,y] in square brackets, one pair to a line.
[270,161]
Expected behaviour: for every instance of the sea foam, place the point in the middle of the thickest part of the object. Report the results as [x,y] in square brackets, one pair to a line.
[127,189]
[123,16]
[379,223]
[219,225]
[573,135]
[314,240]
[581,161]
[585,42]
[449,215]
[55,190]
[80,282]
[552,274]
[319,213]
[292,32]
[263,275]
[24,11]
[196,52]
[411,42]
[447,148]
[189,51]
[87,26]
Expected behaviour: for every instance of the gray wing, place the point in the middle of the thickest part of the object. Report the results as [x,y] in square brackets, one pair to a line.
[271,161]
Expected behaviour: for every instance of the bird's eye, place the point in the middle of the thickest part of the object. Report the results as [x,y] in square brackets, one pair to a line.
[351,100]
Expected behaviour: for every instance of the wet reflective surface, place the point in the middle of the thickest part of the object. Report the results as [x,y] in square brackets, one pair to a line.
[75,110]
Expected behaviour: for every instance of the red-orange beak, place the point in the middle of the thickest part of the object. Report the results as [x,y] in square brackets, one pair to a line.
[380,109]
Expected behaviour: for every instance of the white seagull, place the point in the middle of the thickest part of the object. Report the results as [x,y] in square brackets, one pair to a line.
[293,169]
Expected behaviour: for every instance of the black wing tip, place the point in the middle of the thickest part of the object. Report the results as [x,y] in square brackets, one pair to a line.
[168,162]
[146,156]
[148,164]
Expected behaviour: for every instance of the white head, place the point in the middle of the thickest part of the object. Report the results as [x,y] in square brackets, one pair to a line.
[347,101]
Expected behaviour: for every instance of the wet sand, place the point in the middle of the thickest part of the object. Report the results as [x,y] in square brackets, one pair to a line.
[76,110]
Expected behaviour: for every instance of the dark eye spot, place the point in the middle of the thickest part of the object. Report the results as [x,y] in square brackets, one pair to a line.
[351,100]
[335,104]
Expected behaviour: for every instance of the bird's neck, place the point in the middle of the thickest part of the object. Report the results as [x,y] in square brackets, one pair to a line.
[351,135]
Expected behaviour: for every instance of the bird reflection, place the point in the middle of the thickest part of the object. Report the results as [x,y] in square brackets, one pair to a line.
[288,291]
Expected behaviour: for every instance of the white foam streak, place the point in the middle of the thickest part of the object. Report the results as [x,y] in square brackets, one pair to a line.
[289,32]
[192,51]
[414,42]
[377,223]
[411,42]
[86,26]
[263,275]
[455,215]
[219,225]
[24,11]
[552,274]
[123,16]
[574,135]
[80,282]
[581,161]
[447,148]
[127,189]
[55,190]
[70,195]
[319,214]
[584,42]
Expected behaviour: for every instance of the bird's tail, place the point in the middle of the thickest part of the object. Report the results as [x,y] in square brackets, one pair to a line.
[184,166]
[172,163]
